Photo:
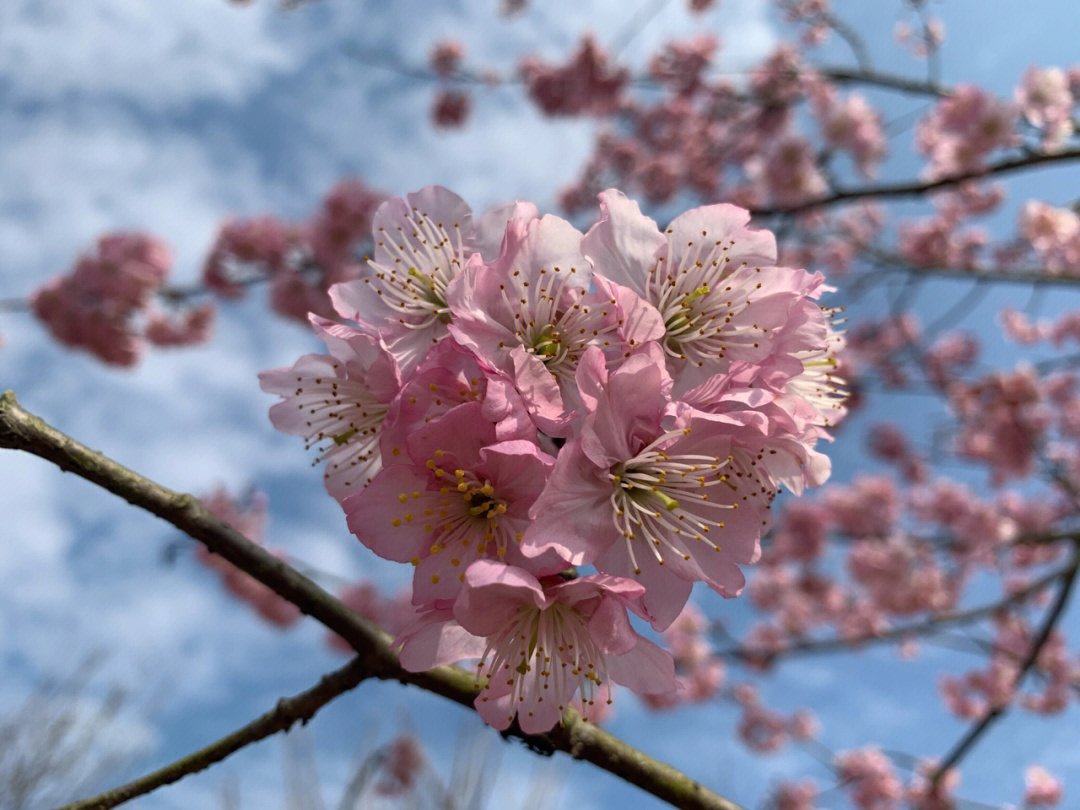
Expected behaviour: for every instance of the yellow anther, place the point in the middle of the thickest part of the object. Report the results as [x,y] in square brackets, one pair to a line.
[395,522]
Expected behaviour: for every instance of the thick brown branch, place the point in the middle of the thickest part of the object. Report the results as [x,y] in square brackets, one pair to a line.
[288,711]
[920,187]
[20,430]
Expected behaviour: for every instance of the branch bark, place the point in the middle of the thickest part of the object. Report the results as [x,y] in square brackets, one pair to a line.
[21,430]
[920,187]
[288,711]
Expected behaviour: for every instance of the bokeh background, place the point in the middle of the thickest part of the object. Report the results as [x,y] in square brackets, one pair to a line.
[168,116]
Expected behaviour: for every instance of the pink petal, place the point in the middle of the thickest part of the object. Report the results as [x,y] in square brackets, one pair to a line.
[493,594]
[434,639]
[573,514]
[610,627]
[646,669]
[390,526]
[624,244]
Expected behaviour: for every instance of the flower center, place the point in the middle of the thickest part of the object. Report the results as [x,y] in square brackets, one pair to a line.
[546,653]
[422,257]
[340,413]
[661,500]
[549,317]
[698,307]
[467,519]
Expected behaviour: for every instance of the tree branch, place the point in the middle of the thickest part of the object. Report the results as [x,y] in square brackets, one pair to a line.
[288,711]
[928,626]
[919,187]
[20,430]
[967,742]
[1035,276]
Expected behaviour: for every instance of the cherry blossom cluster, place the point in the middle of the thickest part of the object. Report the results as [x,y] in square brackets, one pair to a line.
[301,261]
[248,515]
[106,304]
[978,691]
[452,105]
[507,401]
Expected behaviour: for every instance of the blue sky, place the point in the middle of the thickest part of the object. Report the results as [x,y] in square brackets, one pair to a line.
[122,114]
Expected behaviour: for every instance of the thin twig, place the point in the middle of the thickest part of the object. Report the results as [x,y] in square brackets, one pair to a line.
[967,742]
[20,430]
[847,33]
[297,709]
[14,305]
[928,626]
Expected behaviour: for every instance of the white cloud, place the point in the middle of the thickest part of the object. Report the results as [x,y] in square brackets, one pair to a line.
[151,54]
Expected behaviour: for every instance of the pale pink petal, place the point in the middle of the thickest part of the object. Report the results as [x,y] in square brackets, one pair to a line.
[434,639]
[646,669]
[624,244]
[493,593]
[388,515]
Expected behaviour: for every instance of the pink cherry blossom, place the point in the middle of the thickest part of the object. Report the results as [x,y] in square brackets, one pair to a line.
[874,783]
[193,326]
[530,317]
[587,84]
[1041,788]
[795,795]
[853,125]
[456,496]
[449,376]
[338,402]
[711,278]
[450,108]
[964,128]
[791,174]
[422,242]
[446,55]
[1045,99]
[681,64]
[265,242]
[666,507]
[541,643]
[96,306]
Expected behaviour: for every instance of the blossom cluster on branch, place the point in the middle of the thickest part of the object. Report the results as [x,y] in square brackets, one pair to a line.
[510,400]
